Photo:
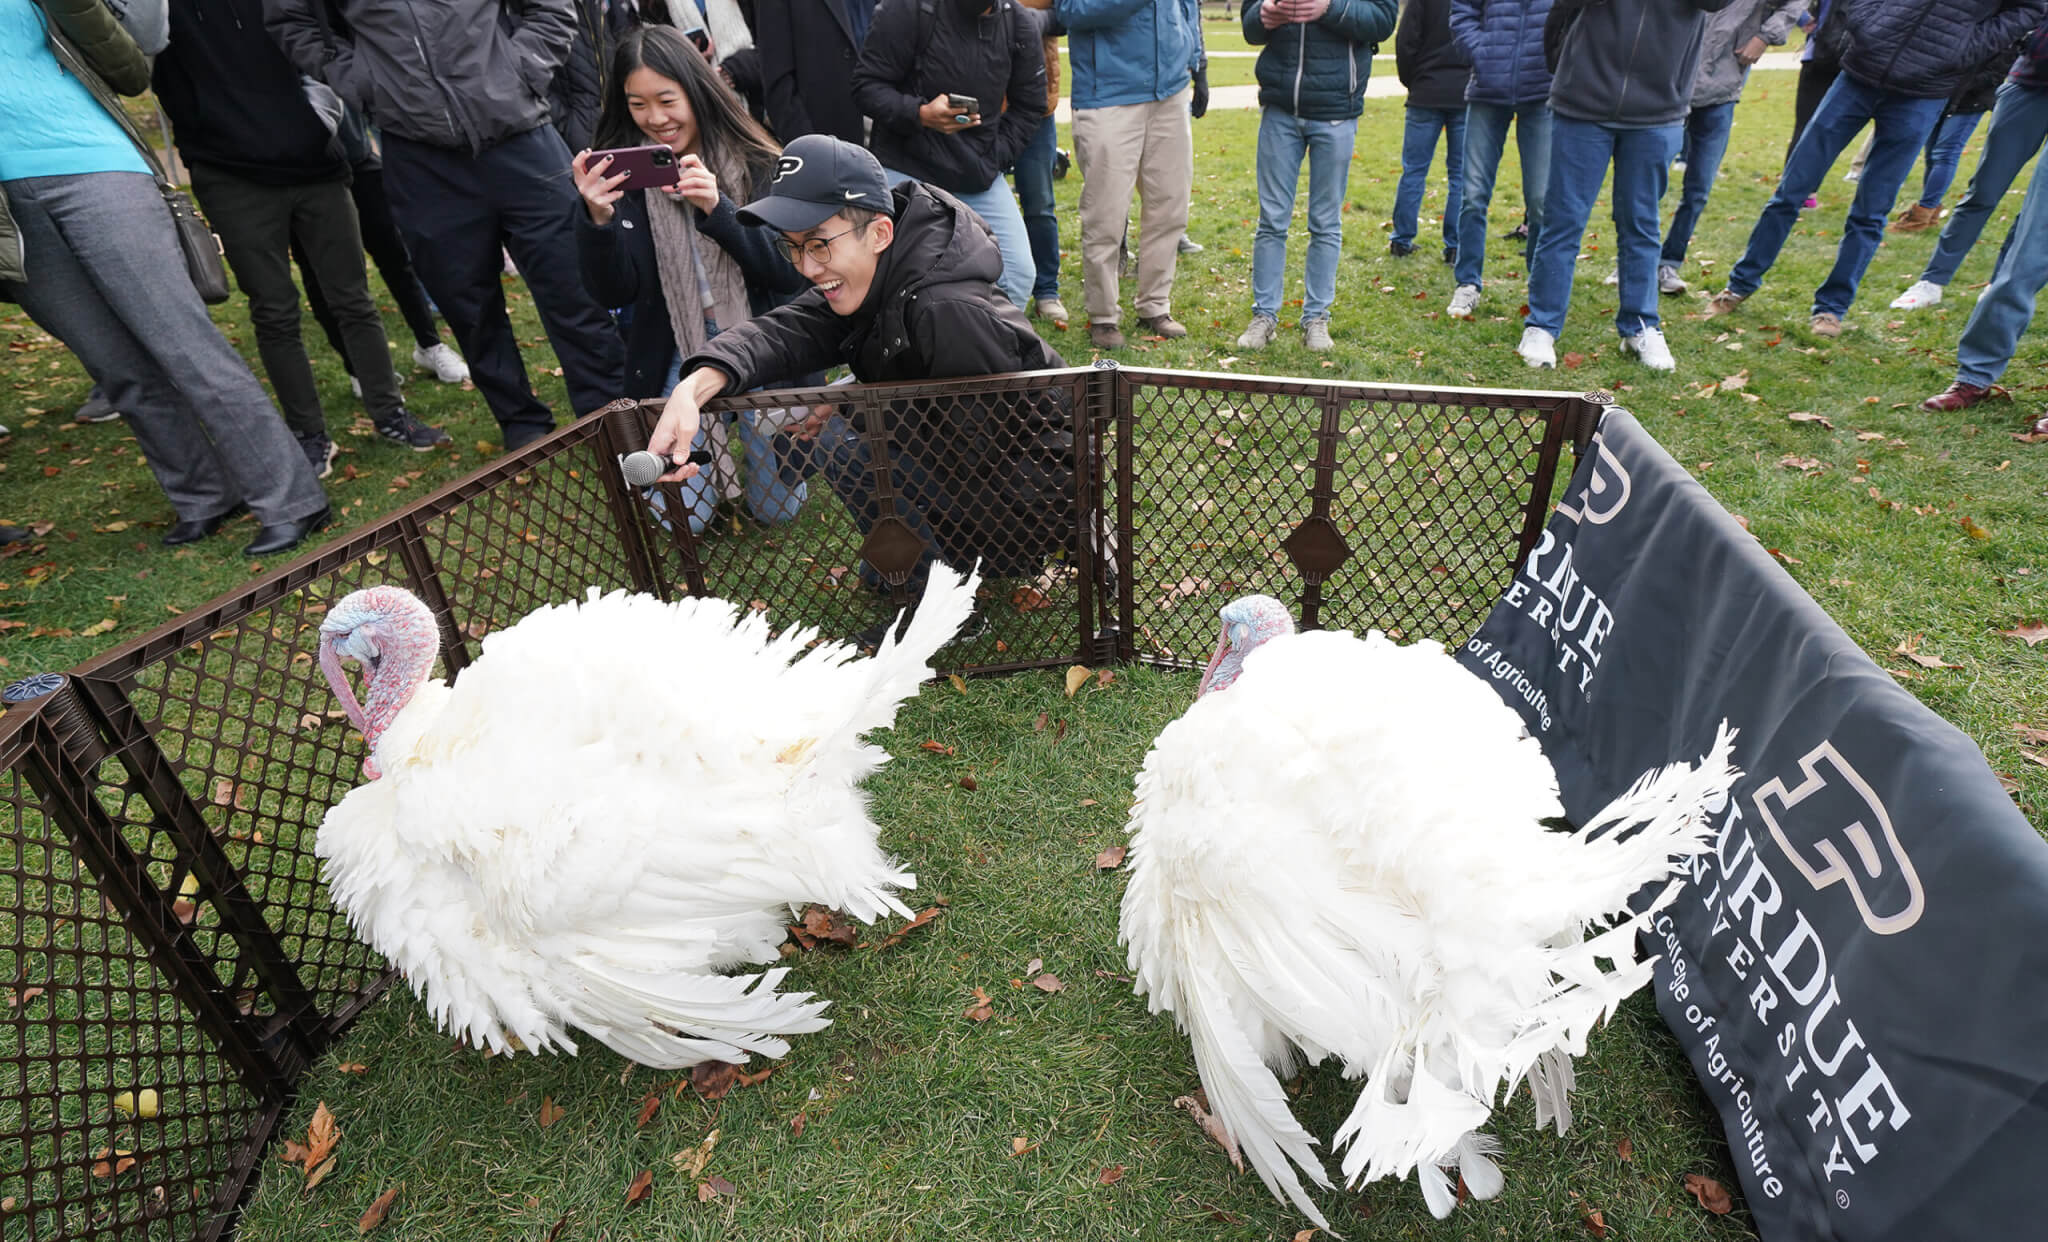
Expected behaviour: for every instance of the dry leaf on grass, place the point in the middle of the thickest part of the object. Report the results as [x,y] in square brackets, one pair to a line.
[1305,1235]
[649,1105]
[713,1079]
[1808,416]
[316,1156]
[352,1067]
[550,1112]
[641,1186]
[690,1163]
[1077,676]
[969,784]
[1806,465]
[1626,1150]
[714,1186]
[1596,1223]
[1048,983]
[1021,1145]
[828,926]
[1712,1195]
[2030,633]
[937,748]
[1909,647]
[112,1162]
[982,1009]
[1043,720]
[1103,677]
[377,1211]
[2033,735]
[1198,1108]
[1029,599]
[1110,1176]
[918,920]
[1111,858]
[1973,530]
[959,682]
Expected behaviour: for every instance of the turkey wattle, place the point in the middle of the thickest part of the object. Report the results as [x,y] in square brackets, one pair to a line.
[1338,851]
[620,799]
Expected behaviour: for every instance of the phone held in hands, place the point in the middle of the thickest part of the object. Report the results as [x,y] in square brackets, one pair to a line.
[965,107]
[646,168]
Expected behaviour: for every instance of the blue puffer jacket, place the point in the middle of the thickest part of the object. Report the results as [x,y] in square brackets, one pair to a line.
[1130,51]
[1504,38]
[1317,70]
[1924,48]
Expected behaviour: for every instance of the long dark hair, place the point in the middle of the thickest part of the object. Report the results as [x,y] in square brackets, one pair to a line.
[726,136]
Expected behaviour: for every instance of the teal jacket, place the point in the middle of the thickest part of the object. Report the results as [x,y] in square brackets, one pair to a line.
[1317,70]
[1130,51]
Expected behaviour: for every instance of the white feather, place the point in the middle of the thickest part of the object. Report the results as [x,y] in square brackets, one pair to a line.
[618,800]
[1341,855]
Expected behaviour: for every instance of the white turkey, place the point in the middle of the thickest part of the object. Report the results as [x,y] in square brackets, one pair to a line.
[619,800]
[1338,851]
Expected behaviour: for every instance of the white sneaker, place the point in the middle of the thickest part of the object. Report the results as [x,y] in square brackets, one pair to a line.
[1259,333]
[1924,293]
[1538,348]
[1464,300]
[1613,276]
[1050,308]
[1649,347]
[1668,280]
[445,363]
[1678,168]
[1853,175]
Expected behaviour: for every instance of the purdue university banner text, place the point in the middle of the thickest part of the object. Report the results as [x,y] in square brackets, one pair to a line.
[1859,968]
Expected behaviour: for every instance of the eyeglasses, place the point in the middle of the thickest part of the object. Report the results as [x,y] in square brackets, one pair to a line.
[816,249]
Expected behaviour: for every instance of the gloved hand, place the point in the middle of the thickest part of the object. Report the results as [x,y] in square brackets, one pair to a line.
[1200,103]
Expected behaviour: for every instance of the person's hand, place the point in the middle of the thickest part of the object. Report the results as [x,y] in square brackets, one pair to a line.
[1200,103]
[1304,10]
[944,117]
[813,423]
[1036,4]
[1273,14]
[1751,52]
[680,418]
[598,191]
[696,185]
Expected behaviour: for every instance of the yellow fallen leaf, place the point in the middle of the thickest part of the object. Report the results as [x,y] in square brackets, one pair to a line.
[1077,676]
[102,626]
[959,682]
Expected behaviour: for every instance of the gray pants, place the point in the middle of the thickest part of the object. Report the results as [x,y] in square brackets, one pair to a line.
[105,277]
[257,224]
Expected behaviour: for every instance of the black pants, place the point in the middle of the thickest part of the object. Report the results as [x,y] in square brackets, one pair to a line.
[455,210]
[387,249]
[258,225]
[1815,77]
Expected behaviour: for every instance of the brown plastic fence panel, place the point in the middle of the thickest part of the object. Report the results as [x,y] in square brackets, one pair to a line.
[163,925]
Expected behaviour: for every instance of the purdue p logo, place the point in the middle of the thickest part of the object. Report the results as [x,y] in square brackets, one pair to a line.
[1607,490]
[1834,806]
[787,165]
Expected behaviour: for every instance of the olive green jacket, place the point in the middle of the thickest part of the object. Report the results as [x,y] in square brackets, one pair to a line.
[89,43]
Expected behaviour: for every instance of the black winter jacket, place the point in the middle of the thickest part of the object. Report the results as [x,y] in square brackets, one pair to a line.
[918,49]
[447,73]
[236,103]
[807,59]
[1431,64]
[1979,91]
[1629,64]
[618,265]
[1003,468]
[576,93]
[1924,48]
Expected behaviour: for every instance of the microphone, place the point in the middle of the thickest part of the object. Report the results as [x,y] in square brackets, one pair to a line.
[643,468]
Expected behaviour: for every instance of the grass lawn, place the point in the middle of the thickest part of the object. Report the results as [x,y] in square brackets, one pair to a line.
[1901,524]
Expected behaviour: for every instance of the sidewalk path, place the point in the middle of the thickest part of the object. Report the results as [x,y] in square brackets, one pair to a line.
[1381,85]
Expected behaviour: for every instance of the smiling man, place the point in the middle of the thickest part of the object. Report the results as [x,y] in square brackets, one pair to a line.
[903,288]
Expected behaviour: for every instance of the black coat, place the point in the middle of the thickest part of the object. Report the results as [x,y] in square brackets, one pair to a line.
[236,103]
[1431,64]
[1979,91]
[918,49]
[576,94]
[619,269]
[1002,467]
[1924,48]
[807,59]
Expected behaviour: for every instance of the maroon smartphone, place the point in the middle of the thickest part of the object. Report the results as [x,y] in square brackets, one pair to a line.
[646,168]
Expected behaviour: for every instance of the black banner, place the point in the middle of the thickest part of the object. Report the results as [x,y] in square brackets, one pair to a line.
[1859,968]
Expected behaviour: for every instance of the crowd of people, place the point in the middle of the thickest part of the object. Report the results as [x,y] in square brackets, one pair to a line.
[844,197]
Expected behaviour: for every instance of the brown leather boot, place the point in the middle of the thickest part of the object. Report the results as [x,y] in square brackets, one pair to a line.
[1917,219]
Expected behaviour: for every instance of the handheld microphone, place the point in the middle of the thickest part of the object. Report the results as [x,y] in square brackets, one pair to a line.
[643,468]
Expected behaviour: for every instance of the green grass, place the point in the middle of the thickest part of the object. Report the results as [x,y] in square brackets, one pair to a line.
[912,1134]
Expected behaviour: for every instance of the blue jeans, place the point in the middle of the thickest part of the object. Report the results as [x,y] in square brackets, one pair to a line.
[1903,124]
[2019,124]
[1706,141]
[1486,136]
[1283,140]
[2007,305]
[997,208]
[1579,154]
[1944,154]
[1418,149]
[774,483]
[1033,169]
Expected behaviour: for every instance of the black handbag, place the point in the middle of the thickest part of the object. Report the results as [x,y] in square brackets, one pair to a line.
[203,262]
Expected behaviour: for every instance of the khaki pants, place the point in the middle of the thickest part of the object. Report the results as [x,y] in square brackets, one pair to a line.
[1150,148]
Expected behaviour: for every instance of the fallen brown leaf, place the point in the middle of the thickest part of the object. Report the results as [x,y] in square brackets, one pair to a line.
[550,1112]
[1077,676]
[982,1009]
[820,924]
[796,1125]
[2034,758]
[1029,599]
[112,1162]
[937,748]
[719,1186]
[1712,1195]
[320,1172]
[1596,1223]
[1021,1145]
[352,1067]
[2033,735]
[1973,530]
[1103,677]
[1808,416]
[1909,647]
[641,1186]
[649,1105]
[1110,1176]
[2030,633]
[1045,719]
[918,920]
[713,1079]
[1305,1235]
[969,784]
[1048,983]
[1626,1150]
[1111,858]
[377,1211]
[1806,465]
[690,1164]
[959,683]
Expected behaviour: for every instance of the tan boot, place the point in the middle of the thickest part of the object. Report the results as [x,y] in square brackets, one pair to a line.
[1916,219]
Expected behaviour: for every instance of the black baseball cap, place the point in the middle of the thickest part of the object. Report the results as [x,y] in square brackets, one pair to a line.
[818,176]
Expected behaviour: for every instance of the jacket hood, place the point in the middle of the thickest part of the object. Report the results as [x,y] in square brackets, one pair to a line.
[938,240]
